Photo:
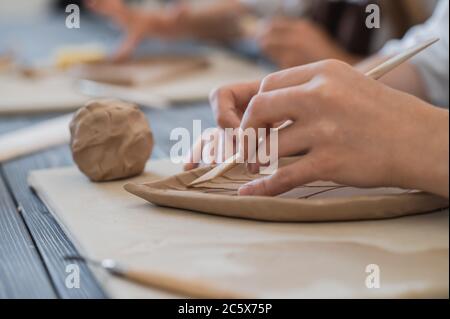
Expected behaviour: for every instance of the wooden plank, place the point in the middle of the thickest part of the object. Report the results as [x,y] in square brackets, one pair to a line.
[51,241]
[22,272]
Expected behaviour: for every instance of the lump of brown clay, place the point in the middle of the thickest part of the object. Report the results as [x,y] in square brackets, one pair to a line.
[110,140]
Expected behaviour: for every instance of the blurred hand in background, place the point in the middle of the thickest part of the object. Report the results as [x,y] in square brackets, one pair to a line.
[136,24]
[293,42]
[329,31]
[217,22]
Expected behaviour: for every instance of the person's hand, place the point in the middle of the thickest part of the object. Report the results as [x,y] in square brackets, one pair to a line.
[136,24]
[290,43]
[228,104]
[354,130]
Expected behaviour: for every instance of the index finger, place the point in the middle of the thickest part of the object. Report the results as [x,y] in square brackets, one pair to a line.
[265,110]
[291,77]
[230,102]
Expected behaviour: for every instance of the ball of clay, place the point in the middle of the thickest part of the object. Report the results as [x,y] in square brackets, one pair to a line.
[110,140]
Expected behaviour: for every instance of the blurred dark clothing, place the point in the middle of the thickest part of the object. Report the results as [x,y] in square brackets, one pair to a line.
[345,22]
[60,5]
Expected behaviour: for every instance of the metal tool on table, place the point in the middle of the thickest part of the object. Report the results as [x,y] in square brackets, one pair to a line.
[376,73]
[183,287]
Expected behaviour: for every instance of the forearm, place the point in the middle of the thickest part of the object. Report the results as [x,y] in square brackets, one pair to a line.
[404,78]
[421,150]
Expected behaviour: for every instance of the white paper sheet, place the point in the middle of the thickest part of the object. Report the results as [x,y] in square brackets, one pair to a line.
[49,93]
[302,260]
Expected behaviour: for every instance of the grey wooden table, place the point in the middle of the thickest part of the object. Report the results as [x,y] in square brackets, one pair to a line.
[32,244]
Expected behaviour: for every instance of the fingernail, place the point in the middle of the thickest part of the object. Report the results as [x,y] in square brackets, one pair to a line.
[246,190]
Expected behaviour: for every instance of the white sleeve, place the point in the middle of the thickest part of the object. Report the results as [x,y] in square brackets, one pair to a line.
[433,63]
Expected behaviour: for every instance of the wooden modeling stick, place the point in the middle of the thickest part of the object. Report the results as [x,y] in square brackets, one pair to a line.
[183,287]
[376,73]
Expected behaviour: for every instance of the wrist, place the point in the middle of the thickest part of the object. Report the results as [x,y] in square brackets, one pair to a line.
[421,154]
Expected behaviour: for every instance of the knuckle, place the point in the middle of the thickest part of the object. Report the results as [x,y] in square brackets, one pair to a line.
[332,66]
[323,66]
[216,94]
[321,83]
[324,88]
[328,130]
[268,82]
[318,89]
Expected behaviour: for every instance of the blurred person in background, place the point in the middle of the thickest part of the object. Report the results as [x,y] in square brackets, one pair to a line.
[295,32]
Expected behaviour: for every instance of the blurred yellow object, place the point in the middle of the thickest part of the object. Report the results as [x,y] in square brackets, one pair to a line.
[67,57]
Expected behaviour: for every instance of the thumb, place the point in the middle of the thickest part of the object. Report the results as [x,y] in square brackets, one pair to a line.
[282,181]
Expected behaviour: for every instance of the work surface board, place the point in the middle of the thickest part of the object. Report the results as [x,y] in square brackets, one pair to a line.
[20,95]
[259,259]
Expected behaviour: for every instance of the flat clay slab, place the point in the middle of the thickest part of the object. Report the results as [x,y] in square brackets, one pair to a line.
[148,70]
[186,81]
[316,202]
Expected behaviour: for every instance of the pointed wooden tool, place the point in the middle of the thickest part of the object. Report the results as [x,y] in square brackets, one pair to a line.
[178,285]
[375,73]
